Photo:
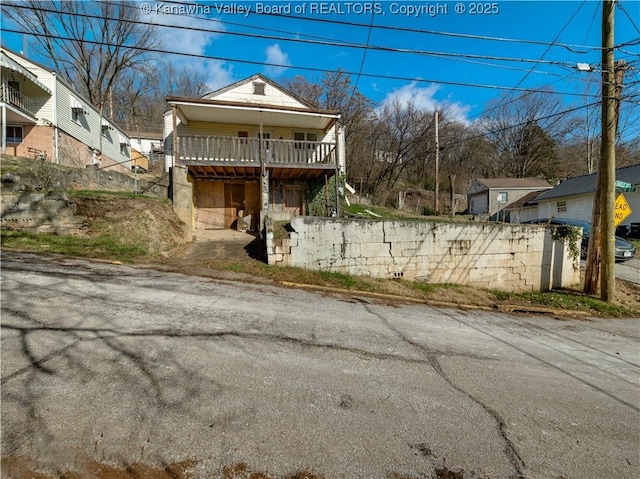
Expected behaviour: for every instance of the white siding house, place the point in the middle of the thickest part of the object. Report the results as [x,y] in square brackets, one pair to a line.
[252,148]
[44,117]
[573,198]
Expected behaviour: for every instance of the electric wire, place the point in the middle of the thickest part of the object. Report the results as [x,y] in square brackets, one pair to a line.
[314,42]
[296,67]
[569,47]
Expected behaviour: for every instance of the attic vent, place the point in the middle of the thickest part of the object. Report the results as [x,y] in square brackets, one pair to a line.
[258,88]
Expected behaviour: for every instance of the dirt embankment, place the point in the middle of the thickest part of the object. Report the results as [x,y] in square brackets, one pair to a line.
[150,222]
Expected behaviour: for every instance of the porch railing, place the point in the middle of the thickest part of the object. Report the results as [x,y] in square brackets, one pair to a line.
[14,97]
[229,149]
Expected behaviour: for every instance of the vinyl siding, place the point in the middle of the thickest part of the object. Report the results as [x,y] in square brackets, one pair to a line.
[273,96]
[43,100]
[87,129]
[580,207]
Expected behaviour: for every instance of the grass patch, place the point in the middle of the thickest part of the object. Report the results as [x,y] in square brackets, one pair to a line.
[566,300]
[375,212]
[103,246]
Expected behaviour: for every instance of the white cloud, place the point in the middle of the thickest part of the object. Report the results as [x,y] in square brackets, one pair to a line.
[274,54]
[192,42]
[424,99]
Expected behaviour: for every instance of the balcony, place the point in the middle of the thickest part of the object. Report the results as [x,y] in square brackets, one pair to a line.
[236,151]
[13,97]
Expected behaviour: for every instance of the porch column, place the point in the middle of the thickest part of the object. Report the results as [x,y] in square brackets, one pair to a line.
[337,169]
[264,177]
[174,153]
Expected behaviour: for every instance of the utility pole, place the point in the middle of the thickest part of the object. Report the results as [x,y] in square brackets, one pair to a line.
[602,235]
[452,197]
[437,192]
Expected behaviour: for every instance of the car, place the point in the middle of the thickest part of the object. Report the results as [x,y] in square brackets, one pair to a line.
[624,250]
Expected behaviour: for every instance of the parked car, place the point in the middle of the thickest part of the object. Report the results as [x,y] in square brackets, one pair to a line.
[624,250]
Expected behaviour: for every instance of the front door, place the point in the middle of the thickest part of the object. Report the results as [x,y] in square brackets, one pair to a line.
[234,201]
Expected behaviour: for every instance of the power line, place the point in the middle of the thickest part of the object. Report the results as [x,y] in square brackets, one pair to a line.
[437,54]
[313,69]
[570,47]
[501,103]
[624,10]
[364,57]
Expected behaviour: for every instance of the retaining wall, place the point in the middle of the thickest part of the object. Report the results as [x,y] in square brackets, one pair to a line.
[24,208]
[499,256]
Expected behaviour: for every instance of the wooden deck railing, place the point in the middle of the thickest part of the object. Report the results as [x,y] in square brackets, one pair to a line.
[14,97]
[236,150]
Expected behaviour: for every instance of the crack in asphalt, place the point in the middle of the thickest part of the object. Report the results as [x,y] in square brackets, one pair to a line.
[510,449]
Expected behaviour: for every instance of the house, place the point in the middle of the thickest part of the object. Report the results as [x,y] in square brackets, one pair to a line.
[489,196]
[254,149]
[44,117]
[147,148]
[573,198]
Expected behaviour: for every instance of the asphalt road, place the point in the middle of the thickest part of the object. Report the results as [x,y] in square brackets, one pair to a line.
[123,365]
[629,270]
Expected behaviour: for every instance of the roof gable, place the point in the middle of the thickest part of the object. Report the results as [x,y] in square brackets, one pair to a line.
[243,92]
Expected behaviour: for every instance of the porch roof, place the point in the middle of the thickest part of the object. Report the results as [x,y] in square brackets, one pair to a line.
[11,64]
[216,111]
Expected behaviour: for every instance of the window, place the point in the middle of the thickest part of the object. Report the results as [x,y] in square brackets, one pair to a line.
[561,206]
[14,134]
[503,197]
[76,109]
[301,136]
[258,88]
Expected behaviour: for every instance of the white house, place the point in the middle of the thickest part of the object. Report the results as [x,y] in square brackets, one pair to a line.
[251,148]
[44,117]
[573,198]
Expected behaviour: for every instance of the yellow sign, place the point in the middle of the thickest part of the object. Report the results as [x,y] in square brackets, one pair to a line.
[622,209]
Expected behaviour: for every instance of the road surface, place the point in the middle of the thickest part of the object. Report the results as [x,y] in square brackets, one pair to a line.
[118,365]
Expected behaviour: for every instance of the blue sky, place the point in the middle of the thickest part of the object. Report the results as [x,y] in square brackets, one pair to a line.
[425,79]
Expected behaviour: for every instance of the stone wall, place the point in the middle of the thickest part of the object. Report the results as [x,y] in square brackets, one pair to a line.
[25,208]
[500,256]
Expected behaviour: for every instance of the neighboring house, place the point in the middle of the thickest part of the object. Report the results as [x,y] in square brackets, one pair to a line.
[573,198]
[147,148]
[252,148]
[523,210]
[489,196]
[44,117]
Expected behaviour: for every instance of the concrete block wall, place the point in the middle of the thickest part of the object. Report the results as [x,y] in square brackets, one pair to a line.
[501,256]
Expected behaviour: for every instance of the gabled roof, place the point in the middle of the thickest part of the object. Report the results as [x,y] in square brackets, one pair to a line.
[581,185]
[239,104]
[257,77]
[505,183]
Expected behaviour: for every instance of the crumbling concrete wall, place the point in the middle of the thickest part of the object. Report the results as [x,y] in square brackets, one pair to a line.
[501,256]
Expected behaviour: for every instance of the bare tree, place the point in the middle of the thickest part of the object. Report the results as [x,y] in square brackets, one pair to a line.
[91,44]
[139,95]
[525,133]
